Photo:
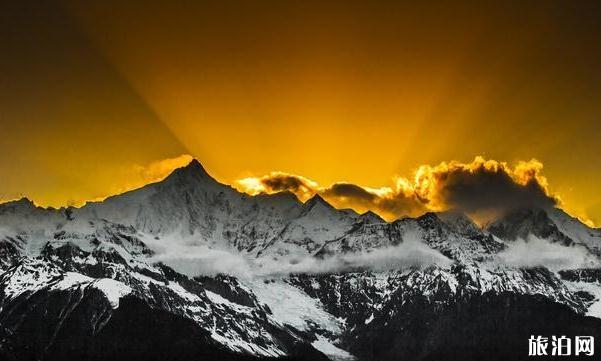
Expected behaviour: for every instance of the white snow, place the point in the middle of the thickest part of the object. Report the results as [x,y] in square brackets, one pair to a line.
[536,251]
[31,276]
[113,290]
[334,353]
[72,279]
[199,226]
[575,229]
[594,289]
[294,307]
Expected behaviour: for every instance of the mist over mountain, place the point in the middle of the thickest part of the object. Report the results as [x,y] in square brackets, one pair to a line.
[269,276]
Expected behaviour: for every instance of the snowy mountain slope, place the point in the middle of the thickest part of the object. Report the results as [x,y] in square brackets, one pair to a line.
[191,205]
[576,230]
[94,259]
[522,223]
[456,238]
[552,225]
[111,259]
[317,223]
[358,297]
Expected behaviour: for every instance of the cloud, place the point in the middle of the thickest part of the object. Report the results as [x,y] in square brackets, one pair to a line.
[137,175]
[389,203]
[276,182]
[201,260]
[404,256]
[592,215]
[411,253]
[348,190]
[481,186]
[194,259]
[159,169]
[535,252]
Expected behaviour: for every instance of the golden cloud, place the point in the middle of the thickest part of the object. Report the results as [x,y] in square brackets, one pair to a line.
[479,187]
[158,170]
[275,182]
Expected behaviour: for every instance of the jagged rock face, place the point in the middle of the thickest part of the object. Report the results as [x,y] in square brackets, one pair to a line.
[112,262]
[526,222]
[31,322]
[582,275]
[191,204]
[455,237]
[85,327]
[9,252]
[358,298]
[74,281]
[577,231]
[490,326]
[43,290]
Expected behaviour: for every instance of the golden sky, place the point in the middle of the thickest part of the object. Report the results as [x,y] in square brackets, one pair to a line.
[95,93]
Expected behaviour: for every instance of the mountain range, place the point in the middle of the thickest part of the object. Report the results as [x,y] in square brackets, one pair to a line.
[189,268]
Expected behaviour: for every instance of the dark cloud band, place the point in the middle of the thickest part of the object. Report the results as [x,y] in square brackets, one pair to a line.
[486,186]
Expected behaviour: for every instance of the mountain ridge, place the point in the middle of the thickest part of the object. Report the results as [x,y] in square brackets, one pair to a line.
[195,169]
[285,275]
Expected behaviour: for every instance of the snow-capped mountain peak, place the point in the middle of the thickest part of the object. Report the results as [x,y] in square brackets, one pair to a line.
[69,257]
[193,171]
[525,222]
[317,201]
[371,217]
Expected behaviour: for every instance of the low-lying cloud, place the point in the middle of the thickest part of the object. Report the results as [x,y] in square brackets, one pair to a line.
[406,255]
[481,186]
[535,252]
[194,260]
[194,257]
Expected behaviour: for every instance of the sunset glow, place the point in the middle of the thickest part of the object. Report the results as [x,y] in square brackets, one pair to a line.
[103,96]
[445,186]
